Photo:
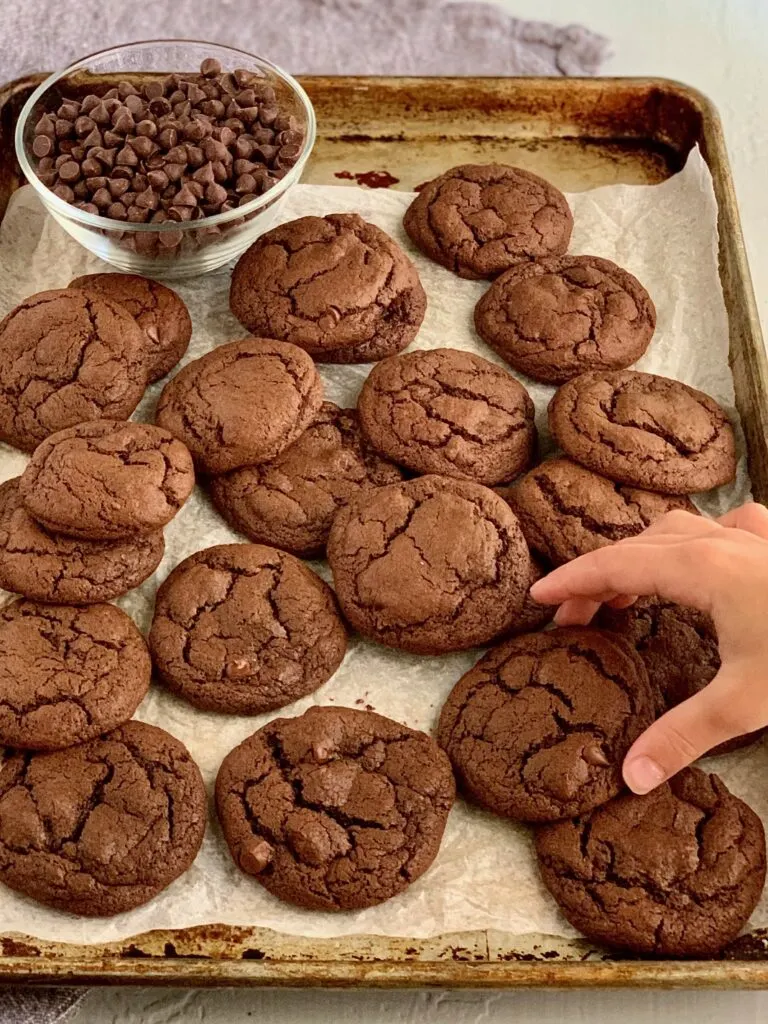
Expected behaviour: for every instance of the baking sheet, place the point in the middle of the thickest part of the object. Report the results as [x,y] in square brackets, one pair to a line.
[485,875]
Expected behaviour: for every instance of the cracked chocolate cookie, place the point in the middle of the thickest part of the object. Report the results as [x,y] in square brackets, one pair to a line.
[450,412]
[337,286]
[67,357]
[539,728]
[429,565]
[243,628]
[67,674]
[533,615]
[645,430]
[107,480]
[566,510]
[557,317]
[49,567]
[679,647]
[291,501]
[676,872]
[242,403]
[103,827]
[335,810]
[158,310]
[480,219]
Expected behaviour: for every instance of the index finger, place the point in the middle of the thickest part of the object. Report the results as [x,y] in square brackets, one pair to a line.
[678,573]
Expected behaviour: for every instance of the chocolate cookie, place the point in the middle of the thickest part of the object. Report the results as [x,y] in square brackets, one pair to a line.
[337,286]
[533,615]
[675,873]
[158,310]
[243,628]
[680,650]
[107,480]
[66,357]
[103,827]
[645,430]
[566,510]
[291,501]
[67,674]
[479,219]
[335,810]
[242,403]
[48,567]
[539,728]
[557,317]
[450,412]
[429,565]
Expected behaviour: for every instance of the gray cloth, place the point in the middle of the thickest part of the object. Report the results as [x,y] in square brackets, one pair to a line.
[392,37]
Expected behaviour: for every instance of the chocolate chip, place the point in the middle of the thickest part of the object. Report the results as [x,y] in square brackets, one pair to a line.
[153,90]
[215,194]
[126,157]
[210,67]
[123,172]
[180,213]
[185,197]
[98,181]
[197,189]
[90,101]
[42,146]
[228,85]
[69,171]
[263,135]
[81,190]
[246,183]
[265,153]
[63,128]
[68,111]
[101,198]
[249,114]
[62,158]
[227,137]
[112,103]
[125,89]
[170,239]
[168,138]
[175,171]
[84,125]
[235,125]
[182,109]
[213,149]
[146,129]
[595,756]
[113,138]
[135,104]
[47,177]
[47,126]
[128,198]
[139,182]
[158,179]
[243,149]
[213,108]
[89,208]
[195,156]
[138,214]
[288,155]
[93,138]
[117,211]
[195,94]
[46,164]
[245,199]
[123,121]
[177,96]
[91,167]
[100,114]
[196,131]
[117,187]
[204,174]
[148,199]
[290,137]
[160,105]
[142,146]
[111,94]
[268,114]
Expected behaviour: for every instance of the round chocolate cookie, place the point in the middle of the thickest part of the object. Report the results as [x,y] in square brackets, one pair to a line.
[242,403]
[337,286]
[675,873]
[291,501]
[539,728]
[645,430]
[480,219]
[49,567]
[429,565]
[107,480]
[679,647]
[566,510]
[67,674]
[450,412]
[103,827]
[243,628]
[158,310]
[335,810]
[66,357]
[557,317]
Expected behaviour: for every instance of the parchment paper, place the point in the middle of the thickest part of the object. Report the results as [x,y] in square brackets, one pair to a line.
[485,875]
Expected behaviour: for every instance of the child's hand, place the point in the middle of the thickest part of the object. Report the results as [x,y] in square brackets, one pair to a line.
[719,566]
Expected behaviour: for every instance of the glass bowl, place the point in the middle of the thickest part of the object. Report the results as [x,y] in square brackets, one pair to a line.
[170,249]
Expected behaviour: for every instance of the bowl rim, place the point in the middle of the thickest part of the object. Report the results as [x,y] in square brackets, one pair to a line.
[93,220]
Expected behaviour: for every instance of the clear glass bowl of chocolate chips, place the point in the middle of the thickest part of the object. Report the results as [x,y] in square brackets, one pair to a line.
[166,157]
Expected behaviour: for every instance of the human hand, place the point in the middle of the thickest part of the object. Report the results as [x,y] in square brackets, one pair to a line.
[719,566]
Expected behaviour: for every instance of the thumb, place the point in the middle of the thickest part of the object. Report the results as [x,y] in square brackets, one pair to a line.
[687,731]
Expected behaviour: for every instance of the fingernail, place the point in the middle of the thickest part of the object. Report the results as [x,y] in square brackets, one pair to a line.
[642,774]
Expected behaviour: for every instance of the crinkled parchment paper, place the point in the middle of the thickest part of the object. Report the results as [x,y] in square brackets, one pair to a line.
[485,875]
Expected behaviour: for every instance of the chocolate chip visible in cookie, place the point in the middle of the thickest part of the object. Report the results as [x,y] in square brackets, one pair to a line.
[49,567]
[539,728]
[680,650]
[102,827]
[337,286]
[645,430]
[480,219]
[557,317]
[66,357]
[67,674]
[429,565]
[107,479]
[450,412]
[291,501]
[158,309]
[242,403]
[675,873]
[566,510]
[335,810]
[243,628]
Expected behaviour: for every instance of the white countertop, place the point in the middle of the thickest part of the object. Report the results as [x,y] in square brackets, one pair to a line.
[721,47]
